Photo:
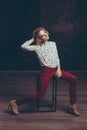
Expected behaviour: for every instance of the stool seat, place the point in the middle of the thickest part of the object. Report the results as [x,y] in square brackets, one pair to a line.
[54,78]
[54,97]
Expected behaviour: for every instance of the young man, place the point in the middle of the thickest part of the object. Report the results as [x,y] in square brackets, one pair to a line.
[47,54]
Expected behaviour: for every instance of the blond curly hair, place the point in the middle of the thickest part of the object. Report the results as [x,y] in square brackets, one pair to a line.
[36,33]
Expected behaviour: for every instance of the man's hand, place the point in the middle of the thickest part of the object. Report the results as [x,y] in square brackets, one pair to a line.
[32,39]
[58,73]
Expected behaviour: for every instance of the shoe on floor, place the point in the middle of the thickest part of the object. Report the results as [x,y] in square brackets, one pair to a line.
[72,110]
[13,107]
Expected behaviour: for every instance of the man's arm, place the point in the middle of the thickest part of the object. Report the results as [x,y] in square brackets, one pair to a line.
[27,43]
[58,72]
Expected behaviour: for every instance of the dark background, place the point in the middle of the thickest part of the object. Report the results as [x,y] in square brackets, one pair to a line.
[66,21]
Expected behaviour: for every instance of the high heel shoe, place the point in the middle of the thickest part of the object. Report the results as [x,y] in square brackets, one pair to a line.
[73,110]
[13,107]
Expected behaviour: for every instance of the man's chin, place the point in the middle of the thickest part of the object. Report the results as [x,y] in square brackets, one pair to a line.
[43,41]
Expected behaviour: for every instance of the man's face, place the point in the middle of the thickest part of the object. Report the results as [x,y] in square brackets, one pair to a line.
[43,36]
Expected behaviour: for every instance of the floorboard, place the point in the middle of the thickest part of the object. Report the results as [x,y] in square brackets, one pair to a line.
[16,84]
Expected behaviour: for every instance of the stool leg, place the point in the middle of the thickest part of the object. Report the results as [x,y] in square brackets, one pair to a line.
[53,85]
[55,93]
[37,91]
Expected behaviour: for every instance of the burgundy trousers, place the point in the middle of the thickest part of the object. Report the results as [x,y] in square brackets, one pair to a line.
[45,76]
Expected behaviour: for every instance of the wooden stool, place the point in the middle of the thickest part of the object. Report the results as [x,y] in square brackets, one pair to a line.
[54,97]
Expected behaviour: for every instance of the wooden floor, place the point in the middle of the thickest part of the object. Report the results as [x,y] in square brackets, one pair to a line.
[17,84]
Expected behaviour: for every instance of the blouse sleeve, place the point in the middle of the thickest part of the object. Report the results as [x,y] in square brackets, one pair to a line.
[58,59]
[27,46]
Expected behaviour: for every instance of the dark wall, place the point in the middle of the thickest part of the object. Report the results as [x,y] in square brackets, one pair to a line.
[18,18]
[66,21]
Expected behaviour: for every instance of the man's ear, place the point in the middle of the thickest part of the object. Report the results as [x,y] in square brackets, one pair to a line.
[48,38]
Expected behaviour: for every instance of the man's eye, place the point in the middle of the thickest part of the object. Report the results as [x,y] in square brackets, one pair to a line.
[44,35]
